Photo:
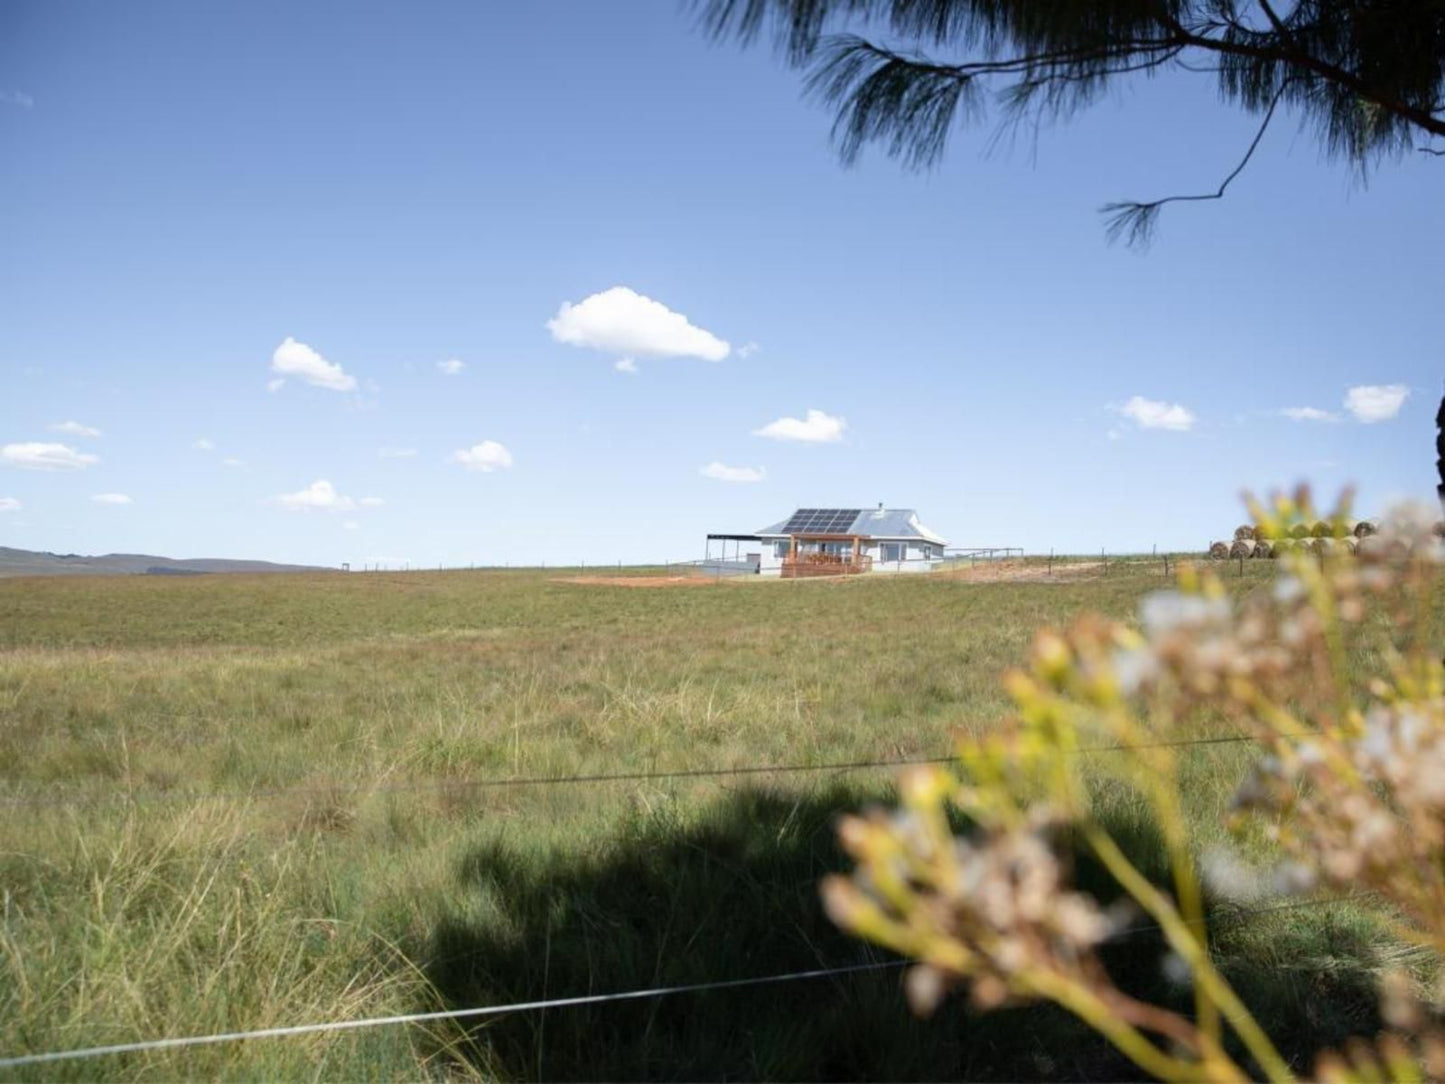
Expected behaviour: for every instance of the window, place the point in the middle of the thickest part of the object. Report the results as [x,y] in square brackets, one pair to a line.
[892,551]
[780,550]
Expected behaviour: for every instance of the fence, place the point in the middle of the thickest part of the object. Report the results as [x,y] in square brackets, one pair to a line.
[1054,561]
[478,1012]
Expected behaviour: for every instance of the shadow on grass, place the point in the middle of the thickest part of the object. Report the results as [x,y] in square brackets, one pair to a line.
[731,894]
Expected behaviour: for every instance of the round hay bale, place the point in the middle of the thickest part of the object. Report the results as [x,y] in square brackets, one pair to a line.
[1317,544]
[1244,533]
[1243,547]
[1349,545]
[1300,531]
[1218,551]
[1281,546]
[1262,548]
[1365,528]
[1372,546]
[1321,529]
[1439,529]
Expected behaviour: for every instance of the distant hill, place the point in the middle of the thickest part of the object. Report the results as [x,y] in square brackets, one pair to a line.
[32,563]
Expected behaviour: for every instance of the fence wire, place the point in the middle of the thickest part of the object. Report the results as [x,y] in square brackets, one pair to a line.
[175,1042]
[500,782]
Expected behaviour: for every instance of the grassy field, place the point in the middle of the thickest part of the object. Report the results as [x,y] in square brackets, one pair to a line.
[240,802]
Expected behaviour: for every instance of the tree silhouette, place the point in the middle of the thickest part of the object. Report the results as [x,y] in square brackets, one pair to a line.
[1368,76]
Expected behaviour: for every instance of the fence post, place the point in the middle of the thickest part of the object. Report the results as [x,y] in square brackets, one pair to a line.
[1241,564]
[1051,560]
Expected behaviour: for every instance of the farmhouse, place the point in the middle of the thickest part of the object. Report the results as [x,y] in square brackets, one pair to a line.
[830,542]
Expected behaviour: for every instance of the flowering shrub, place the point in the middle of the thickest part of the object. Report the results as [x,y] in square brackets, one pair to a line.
[1335,672]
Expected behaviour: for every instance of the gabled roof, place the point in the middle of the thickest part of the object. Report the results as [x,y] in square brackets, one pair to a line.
[870,523]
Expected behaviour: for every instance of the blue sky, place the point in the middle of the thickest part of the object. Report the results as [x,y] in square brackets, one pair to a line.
[184,187]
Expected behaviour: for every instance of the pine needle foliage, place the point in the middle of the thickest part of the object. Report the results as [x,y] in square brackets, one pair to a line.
[1366,77]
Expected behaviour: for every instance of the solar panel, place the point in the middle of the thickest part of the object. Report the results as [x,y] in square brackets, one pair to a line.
[821,521]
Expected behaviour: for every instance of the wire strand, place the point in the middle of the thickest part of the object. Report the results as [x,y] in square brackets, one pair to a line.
[563,780]
[442,1014]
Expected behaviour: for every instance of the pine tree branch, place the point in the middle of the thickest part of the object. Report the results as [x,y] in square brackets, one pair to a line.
[1136,221]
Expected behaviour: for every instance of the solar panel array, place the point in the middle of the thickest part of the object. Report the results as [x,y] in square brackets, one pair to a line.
[822,521]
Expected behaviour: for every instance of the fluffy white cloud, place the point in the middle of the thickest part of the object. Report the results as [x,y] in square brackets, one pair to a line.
[486,457]
[451,366]
[1153,414]
[816,428]
[111,498]
[296,359]
[626,365]
[37,455]
[204,444]
[723,473]
[748,349]
[74,429]
[396,453]
[1376,402]
[9,504]
[622,321]
[1309,414]
[321,496]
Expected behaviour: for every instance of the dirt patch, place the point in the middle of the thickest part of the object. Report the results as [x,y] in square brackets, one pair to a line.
[1025,572]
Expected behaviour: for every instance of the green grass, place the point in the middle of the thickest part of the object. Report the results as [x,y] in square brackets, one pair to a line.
[245,802]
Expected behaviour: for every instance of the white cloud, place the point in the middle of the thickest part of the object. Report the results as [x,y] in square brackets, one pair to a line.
[1376,402]
[622,321]
[816,428]
[111,498]
[35,455]
[1309,414]
[626,365]
[296,359]
[74,429]
[451,366]
[232,461]
[1153,414]
[204,444]
[9,504]
[486,457]
[723,473]
[321,495]
[396,453]
[17,97]
[748,349]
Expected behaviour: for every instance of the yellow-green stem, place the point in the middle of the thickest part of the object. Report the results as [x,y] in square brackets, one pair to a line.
[1183,941]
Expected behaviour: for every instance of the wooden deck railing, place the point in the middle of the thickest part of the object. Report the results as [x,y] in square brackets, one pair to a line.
[825,564]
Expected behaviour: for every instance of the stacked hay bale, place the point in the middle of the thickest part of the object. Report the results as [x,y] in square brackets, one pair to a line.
[1319,537]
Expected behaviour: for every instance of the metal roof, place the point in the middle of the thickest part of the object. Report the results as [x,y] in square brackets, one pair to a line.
[870,523]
